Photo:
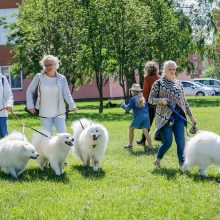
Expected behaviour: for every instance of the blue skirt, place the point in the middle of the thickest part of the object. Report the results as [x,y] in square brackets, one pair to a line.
[140,121]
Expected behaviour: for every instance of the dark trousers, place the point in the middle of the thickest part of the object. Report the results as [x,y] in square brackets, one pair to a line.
[152,111]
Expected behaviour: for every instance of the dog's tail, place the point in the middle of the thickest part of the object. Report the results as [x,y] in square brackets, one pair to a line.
[79,125]
[15,135]
[37,137]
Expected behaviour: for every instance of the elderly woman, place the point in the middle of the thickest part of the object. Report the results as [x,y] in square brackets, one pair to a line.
[6,104]
[52,89]
[168,88]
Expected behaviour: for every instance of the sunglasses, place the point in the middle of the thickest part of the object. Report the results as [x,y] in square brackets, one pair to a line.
[172,69]
[49,65]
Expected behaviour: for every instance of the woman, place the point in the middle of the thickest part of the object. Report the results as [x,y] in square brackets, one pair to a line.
[151,75]
[52,89]
[6,104]
[168,88]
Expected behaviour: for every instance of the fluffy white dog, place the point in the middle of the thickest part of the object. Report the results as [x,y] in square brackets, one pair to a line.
[90,142]
[202,150]
[53,150]
[15,152]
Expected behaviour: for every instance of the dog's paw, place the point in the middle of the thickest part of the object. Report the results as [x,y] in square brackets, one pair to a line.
[95,168]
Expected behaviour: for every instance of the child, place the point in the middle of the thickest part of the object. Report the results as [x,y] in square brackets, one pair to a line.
[140,115]
[6,104]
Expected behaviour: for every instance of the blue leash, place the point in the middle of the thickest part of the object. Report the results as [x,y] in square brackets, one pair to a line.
[194,129]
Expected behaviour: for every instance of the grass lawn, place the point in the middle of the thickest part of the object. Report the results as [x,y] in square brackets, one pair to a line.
[128,186]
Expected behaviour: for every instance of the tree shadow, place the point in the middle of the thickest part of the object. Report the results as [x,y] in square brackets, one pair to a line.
[35,174]
[169,173]
[88,172]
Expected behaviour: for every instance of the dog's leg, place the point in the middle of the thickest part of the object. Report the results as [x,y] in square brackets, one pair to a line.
[96,165]
[55,167]
[61,165]
[86,162]
[184,167]
[21,171]
[41,162]
[13,172]
[202,169]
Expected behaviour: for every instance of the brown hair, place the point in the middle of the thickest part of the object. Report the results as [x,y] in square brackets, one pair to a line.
[151,68]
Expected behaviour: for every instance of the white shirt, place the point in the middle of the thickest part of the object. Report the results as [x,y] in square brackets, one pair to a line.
[49,96]
[6,97]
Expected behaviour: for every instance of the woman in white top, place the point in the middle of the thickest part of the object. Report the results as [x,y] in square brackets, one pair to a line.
[6,104]
[52,89]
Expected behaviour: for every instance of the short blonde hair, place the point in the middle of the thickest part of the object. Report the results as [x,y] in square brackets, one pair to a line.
[52,58]
[167,64]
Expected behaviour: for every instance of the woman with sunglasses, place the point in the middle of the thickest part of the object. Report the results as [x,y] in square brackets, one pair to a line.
[52,91]
[168,88]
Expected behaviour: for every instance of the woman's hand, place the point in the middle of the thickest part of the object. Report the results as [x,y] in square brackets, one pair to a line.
[32,110]
[164,101]
[194,122]
[8,108]
[73,110]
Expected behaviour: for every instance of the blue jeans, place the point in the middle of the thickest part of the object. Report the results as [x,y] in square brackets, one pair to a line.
[3,127]
[60,124]
[167,137]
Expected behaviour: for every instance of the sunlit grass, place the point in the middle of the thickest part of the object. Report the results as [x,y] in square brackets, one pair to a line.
[127,187]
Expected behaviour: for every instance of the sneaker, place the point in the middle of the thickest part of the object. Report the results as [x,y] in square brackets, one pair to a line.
[128,147]
[140,142]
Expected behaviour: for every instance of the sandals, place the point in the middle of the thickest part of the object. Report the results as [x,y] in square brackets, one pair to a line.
[149,150]
[157,163]
[128,147]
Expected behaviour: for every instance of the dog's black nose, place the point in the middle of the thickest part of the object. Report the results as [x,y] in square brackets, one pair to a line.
[94,135]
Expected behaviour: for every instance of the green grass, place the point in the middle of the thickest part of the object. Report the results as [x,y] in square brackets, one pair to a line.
[128,186]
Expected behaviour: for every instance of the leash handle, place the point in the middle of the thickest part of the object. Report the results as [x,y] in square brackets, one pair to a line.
[172,108]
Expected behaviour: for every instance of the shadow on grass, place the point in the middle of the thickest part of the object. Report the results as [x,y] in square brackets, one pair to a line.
[35,174]
[142,151]
[88,172]
[170,173]
[198,178]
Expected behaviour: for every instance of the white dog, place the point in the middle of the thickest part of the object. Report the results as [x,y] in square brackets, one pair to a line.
[15,152]
[90,142]
[202,150]
[53,150]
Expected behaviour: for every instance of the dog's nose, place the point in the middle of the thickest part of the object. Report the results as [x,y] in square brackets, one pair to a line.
[94,135]
[37,155]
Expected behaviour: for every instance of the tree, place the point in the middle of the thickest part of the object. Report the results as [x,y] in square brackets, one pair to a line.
[212,71]
[131,24]
[51,29]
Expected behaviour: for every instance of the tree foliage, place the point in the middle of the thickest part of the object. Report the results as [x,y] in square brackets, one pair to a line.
[99,38]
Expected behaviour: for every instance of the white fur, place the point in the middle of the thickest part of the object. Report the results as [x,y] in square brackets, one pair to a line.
[202,150]
[90,142]
[53,150]
[15,152]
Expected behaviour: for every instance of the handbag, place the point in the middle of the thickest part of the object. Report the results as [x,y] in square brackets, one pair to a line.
[35,96]
[157,134]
